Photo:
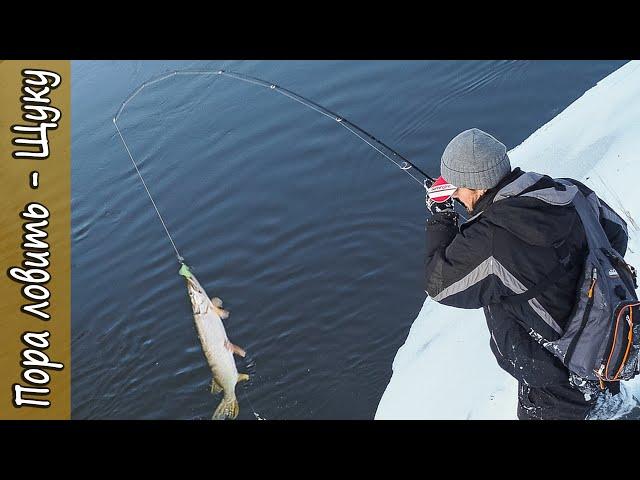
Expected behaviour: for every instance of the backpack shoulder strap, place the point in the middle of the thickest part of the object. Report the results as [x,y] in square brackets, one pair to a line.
[596,238]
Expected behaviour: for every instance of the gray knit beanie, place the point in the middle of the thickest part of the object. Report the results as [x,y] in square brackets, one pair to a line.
[474,159]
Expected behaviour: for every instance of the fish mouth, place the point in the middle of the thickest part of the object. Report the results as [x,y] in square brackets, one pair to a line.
[198,298]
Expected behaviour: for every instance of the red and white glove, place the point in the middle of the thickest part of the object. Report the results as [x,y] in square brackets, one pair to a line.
[438,197]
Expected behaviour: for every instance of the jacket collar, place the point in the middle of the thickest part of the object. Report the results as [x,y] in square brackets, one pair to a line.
[488,197]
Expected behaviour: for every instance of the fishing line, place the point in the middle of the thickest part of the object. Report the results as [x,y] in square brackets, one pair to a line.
[250,363]
[255,414]
[180,258]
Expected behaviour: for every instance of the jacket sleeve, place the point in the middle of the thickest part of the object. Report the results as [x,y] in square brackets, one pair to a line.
[615,227]
[460,268]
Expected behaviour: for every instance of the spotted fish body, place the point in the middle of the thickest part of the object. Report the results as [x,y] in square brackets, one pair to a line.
[217,348]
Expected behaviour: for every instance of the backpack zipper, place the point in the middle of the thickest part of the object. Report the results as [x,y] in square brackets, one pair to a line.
[603,372]
[585,317]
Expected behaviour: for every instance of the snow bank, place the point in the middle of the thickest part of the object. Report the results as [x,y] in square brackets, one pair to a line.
[445,369]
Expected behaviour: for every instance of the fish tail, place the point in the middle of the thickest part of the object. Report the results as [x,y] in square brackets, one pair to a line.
[228,409]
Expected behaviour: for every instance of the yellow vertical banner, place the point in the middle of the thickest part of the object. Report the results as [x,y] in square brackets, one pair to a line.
[35,239]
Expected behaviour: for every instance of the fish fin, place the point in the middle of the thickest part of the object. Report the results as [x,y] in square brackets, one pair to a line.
[239,351]
[235,349]
[216,301]
[228,409]
[243,377]
[223,314]
[215,388]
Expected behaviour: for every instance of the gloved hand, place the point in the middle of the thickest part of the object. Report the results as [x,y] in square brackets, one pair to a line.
[442,212]
[442,227]
[435,207]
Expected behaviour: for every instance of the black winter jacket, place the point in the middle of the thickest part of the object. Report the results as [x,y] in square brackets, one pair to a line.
[509,245]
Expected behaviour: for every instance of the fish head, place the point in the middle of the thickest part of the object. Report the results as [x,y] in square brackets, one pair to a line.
[197,295]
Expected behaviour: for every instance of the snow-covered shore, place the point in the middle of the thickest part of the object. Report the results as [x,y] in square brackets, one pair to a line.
[445,369]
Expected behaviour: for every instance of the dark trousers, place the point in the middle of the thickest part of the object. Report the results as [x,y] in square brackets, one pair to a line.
[555,402]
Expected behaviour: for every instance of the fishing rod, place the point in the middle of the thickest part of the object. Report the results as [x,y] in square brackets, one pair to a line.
[400,161]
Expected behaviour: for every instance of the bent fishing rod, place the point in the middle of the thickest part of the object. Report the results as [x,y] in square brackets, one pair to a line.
[397,159]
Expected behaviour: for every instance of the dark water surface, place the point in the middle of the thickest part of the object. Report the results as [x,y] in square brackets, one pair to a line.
[312,239]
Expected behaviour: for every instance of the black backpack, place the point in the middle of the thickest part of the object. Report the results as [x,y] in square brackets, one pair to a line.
[601,340]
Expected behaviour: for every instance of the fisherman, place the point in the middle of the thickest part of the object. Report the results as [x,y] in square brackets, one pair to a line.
[514,241]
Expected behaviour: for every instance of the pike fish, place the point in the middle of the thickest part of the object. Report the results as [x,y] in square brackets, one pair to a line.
[208,315]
